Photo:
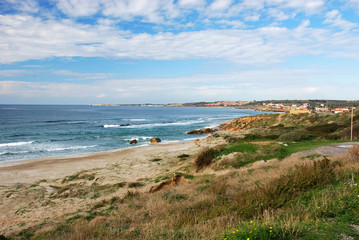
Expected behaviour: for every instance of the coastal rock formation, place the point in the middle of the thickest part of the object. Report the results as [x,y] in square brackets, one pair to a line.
[133,141]
[240,123]
[201,131]
[174,181]
[155,140]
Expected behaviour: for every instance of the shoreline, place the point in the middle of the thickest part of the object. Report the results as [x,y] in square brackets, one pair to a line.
[51,168]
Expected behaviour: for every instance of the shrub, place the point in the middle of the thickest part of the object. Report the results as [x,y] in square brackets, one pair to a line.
[304,178]
[204,158]
[353,153]
[324,128]
[347,132]
[296,135]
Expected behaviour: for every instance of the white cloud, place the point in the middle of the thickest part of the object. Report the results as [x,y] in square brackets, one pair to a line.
[246,84]
[278,14]
[334,18]
[220,5]
[78,8]
[29,6]
[24,37]
[308,6]
[232,23]
[191,3]
[353,3]
[252,17]
[129,9]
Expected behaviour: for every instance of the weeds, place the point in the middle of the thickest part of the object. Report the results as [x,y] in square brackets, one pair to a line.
[205,158]
[135,184]
[183,156]
[353,153]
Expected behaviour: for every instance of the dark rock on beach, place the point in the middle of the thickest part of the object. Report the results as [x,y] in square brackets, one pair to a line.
[155,140]
[133,141]
[201,131]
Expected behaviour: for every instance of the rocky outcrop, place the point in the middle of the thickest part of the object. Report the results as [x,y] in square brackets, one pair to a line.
[201,131]
[155,140]
[241,123]
[133,141]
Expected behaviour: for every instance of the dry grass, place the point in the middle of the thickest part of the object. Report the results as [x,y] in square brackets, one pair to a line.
[206,206]
[209,205]
[353,153]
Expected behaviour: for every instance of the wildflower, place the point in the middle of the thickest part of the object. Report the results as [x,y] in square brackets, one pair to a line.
[270,231]
[250,232]
[237,230]
[248,239]
[251,221]
[234,232]
[270,227]
[318,207]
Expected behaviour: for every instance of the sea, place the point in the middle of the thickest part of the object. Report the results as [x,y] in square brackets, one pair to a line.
[37,131]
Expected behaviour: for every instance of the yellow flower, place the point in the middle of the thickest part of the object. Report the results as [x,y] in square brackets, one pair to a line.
[270,231]
[251,221]
[248,239]
[318,207]
[270,227]
[234,232]
[250,232]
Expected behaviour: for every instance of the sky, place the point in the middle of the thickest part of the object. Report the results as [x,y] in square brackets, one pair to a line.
[176,51]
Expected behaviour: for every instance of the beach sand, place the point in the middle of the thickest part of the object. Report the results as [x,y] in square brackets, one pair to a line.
[40,190]
[135,161]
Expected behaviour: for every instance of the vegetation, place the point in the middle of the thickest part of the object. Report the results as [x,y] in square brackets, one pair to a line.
[262,194]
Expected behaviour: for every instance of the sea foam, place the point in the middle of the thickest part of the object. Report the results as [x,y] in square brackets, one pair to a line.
[149,125]
[15,144]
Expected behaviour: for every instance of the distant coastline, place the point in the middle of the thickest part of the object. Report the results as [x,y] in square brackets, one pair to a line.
[288,106]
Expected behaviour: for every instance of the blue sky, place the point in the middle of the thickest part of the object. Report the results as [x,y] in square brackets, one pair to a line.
[174,51]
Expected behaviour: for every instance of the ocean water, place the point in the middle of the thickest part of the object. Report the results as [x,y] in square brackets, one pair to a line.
[36,131]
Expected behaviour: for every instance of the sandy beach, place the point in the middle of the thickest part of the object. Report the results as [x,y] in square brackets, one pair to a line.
[135,162]
[27,187]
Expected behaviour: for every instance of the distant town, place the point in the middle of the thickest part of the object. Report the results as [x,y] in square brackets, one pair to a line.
[290,106]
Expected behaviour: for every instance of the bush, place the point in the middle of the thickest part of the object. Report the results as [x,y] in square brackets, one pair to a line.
[353,153]
[297,135]
[324,128]
[205,158]
[347,132]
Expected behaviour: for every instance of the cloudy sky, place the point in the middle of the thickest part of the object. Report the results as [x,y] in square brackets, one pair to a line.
[173,51]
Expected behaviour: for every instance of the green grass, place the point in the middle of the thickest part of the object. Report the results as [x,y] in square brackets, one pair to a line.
[313,202]
[251,152]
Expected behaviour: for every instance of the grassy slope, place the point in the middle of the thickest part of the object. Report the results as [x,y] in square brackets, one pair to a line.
[309,198]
